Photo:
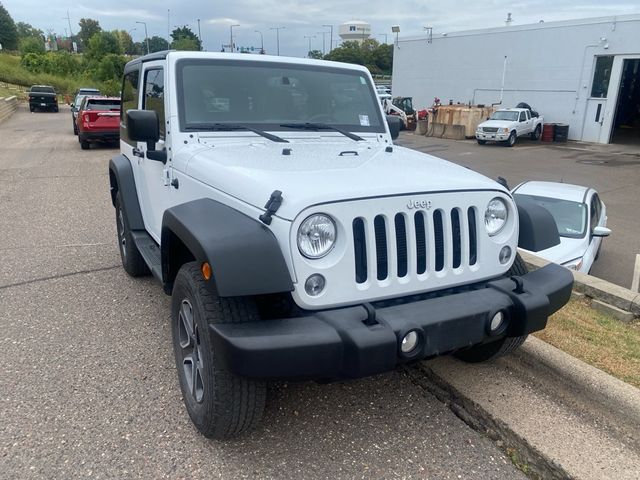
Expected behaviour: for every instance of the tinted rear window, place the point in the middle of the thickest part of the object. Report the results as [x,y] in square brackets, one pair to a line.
[43,89]
[106,104]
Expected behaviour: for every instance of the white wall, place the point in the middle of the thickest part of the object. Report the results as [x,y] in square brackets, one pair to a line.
[549,65]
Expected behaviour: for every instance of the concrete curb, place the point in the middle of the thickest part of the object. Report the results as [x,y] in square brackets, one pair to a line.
[593,287]
[554,415]
[7,107]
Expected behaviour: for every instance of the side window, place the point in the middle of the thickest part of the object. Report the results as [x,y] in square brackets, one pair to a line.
[523,117]
[129,92]
[154,95]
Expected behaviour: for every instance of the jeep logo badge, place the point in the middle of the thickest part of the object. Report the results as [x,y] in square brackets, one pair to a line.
[425,204]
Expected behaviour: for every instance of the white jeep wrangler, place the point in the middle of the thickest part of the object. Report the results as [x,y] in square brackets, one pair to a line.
[298,242]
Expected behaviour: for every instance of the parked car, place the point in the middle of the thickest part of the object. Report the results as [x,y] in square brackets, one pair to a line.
[98,120]
[301,243]
[507,124]
[75,105]
[580,216]
[43,97]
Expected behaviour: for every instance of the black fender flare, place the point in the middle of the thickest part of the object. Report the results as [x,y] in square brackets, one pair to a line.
[244,255]
[121,180]
[538,229]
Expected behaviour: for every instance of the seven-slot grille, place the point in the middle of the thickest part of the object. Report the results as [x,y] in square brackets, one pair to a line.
[419,243]
[490,129]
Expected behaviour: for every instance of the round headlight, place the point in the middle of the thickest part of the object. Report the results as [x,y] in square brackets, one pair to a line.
[316,236]
[495,217]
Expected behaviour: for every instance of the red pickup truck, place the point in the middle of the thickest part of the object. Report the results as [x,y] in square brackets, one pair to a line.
[98,120]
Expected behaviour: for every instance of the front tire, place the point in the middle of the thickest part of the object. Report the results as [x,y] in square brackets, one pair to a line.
[511,141]
[75,128]
[490,351]
[481,142]
[132,260]
[220,404]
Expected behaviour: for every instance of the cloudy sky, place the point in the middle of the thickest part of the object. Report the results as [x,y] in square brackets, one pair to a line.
[302,17]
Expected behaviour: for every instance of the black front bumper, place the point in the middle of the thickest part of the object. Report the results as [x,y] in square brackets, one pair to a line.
[359,341]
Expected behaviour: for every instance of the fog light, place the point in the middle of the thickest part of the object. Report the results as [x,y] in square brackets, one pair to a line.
[409,342]
[314,285]
[496,322]
[505,255]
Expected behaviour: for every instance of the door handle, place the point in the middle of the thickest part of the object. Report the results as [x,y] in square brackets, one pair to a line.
[137,152]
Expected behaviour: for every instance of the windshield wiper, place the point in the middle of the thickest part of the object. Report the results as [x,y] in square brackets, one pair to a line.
[322,126]
[230,127]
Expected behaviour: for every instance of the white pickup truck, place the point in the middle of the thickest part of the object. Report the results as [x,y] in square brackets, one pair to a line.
[507,124]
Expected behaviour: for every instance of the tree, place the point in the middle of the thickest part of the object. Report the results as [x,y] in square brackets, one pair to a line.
[27,31]
[185,33]
[376,57]
[185,43]
[31,45]
[125,41]
[348,52]
[317,54]
[88,28]
[101,44]
[8,30]
[156,44]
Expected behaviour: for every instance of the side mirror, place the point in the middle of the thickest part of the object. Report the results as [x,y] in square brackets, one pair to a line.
[143,126]
[393,121]
[601,232]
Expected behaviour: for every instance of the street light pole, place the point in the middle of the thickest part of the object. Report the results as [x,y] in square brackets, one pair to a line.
[277,29]
[146,37]
[261,41]
[385,37]
[199,35]
[324,51]
[309,37]
[330,37]
[231,36]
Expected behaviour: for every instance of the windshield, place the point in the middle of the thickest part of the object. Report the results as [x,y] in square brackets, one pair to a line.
[42,89]
[570,217]
[505,115]
[267,95]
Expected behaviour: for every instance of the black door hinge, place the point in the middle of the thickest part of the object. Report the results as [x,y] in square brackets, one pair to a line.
[272,207]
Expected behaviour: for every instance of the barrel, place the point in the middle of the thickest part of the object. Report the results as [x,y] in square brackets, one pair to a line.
[548,131]
[561,132]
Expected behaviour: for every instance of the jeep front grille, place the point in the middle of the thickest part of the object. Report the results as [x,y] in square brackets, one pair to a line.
[414,244]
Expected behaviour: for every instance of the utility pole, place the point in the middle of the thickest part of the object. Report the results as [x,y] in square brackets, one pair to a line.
[146,37]
[68,19]
[231,36]
[277,29]
[309,37]
[261,41]
[168,27]
[330,37]
[200,35]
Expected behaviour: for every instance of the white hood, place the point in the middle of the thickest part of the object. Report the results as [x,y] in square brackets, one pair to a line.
[497,123]
[567,249]
[325,170]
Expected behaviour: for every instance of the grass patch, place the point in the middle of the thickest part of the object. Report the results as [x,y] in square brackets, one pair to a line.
[12,72]
[597,339]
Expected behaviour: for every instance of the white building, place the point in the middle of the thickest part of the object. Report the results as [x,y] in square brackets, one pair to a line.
[354,30]
[585,73]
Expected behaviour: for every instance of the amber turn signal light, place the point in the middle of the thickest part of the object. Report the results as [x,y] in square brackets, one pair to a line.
[206,270]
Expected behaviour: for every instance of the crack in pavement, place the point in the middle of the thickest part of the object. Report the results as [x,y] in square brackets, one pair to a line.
[55,277]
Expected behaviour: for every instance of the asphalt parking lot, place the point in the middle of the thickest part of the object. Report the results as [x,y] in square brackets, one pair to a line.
[614,171]
[87,381]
